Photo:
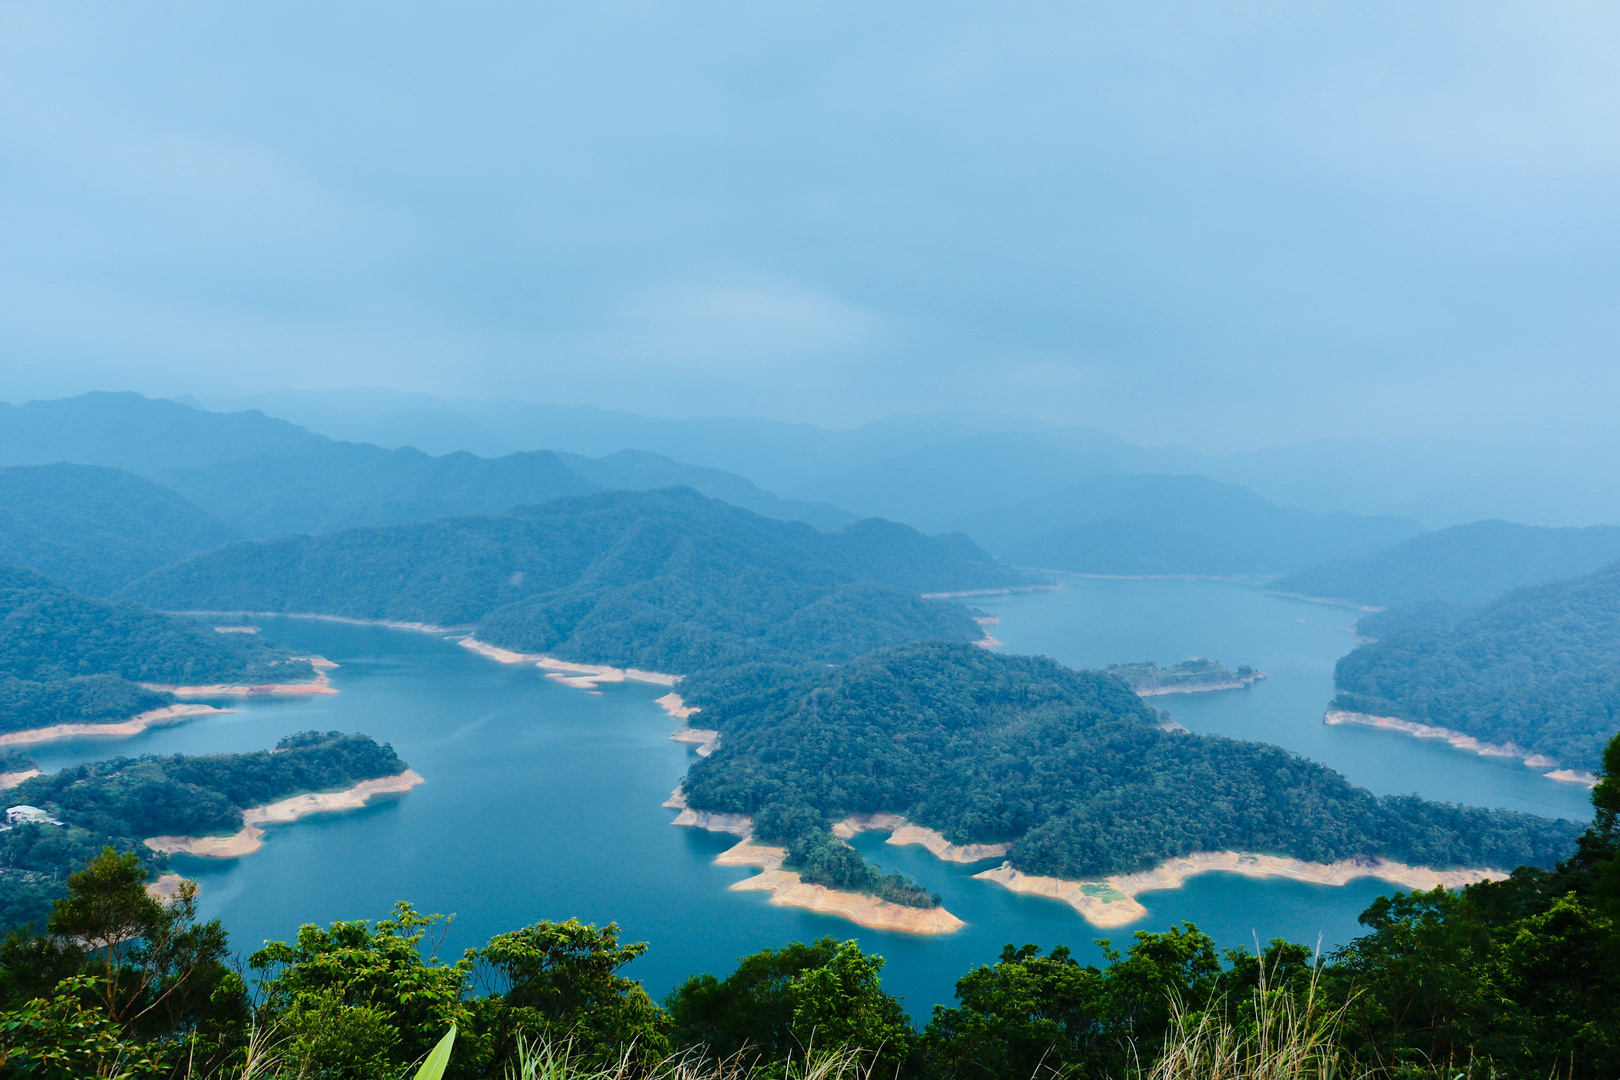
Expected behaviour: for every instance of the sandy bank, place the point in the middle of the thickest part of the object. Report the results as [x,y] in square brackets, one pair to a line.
[903,833]
[9,780]
[165,888]
[1461,742]
[708,741]
[169,714]
[989,641]
[320,685]
[787,889]
[393,624]
[248,840]
[672,704]
[991,592]
[1111,901]
[583,676]
[1219,682]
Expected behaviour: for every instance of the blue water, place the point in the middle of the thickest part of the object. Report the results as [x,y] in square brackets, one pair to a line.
[542,801]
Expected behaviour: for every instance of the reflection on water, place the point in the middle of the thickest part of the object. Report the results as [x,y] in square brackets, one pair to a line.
[542,802]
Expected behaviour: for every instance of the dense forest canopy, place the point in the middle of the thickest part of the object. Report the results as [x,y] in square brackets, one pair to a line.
[1539,667]
[1462,566]
[96,529]
[121,801]
[1071,765]
[66,658]
[665,579]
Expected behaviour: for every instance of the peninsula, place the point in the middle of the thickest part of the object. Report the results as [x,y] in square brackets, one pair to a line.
[1193,676]
[160,717]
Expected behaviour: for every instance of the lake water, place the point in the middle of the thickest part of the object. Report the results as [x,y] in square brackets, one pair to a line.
[542,801]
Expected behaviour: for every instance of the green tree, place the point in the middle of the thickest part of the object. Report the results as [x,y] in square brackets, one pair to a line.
[560,981]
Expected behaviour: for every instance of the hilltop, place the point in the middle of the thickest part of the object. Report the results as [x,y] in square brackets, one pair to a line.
[667,579]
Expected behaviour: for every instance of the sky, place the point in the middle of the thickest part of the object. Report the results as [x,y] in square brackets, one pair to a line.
[1222,225]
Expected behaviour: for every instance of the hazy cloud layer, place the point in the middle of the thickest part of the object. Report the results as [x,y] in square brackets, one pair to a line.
[1225,224]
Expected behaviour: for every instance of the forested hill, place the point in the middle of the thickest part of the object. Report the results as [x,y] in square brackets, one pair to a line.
[65,657]
[94,528]
[1539,667]
[122,801]
[1069,764]
[665,579]
[1462,566]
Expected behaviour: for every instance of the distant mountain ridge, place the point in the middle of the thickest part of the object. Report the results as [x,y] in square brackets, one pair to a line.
[1460,565]
[666,579]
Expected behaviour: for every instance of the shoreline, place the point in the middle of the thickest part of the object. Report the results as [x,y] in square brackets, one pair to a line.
[392,624]
[169,714]
[567,672]
[787,889]
[1234,682]
[1461,742]
[1005,591]
[1110,902]
[1328,600]
[903,833]
[320,685]
[250,837]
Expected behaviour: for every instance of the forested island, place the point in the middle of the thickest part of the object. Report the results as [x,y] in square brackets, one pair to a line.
[1070,768]
[666,581]
[1537,671]
[122,801]
[1193,676]
[1509,978]
[69,658]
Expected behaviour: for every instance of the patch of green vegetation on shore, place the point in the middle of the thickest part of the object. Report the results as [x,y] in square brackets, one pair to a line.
[1195,674]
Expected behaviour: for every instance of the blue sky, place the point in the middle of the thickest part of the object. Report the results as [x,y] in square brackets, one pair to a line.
[1221,224]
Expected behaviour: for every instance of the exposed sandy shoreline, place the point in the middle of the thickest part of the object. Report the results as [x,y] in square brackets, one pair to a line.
[1111,901]
[583,676]
[708,740]
[321,684]
[421,627]
[989,641]
[9,780]
[1461,742]
[903,833]
[249,839]
[169,714]
[1328,600]
[789,890]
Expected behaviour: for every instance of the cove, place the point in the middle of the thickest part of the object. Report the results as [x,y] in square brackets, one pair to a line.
[542,801]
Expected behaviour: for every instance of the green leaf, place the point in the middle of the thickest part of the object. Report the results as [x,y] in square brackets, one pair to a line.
[433,1067]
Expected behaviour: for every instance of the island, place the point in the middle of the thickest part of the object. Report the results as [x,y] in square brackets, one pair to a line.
[1193,676]
[1067,778]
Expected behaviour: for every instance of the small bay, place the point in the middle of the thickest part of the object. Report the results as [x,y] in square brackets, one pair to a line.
[542,801]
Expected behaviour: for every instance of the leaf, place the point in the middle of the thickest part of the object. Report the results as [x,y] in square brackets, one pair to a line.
[433,1067]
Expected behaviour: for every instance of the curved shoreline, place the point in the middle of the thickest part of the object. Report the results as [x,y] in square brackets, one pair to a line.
[1224,682]
[320,685]
[567,672]
[1461,742]
[393,624]
[787,889]
[903,833]
[169,714]
[1110,902]
[250,837]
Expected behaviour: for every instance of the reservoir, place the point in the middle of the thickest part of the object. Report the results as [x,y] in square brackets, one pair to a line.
[542,801]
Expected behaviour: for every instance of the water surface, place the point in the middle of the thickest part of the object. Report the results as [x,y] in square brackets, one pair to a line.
[542,801]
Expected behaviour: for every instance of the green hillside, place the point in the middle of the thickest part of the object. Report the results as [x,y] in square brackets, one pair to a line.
[1070,765]
[121,801]
[94,528]
[65,657]
[1463,565]
[1538,667]
[665,579]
